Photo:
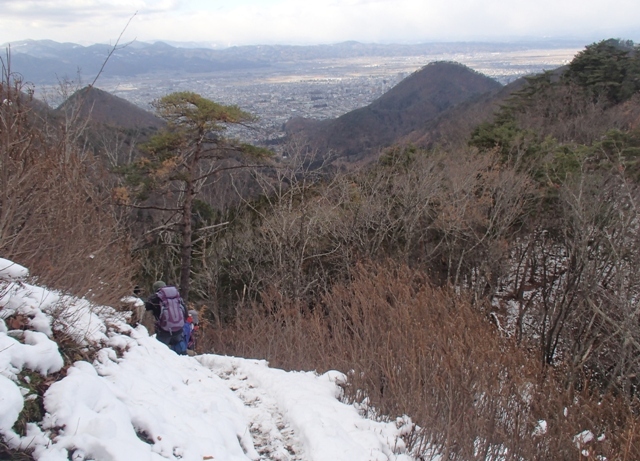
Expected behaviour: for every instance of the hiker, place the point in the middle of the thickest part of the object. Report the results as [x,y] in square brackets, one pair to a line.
[188,335]
[193,315]
[170,313]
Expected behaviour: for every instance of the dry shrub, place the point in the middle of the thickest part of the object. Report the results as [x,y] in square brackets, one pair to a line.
[427,353]
[451,214]
[275,329]
[56,215]
[411,348]
[8,454]
[586,425]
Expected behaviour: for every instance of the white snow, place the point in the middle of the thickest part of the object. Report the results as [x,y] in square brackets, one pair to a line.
[137,400]
[12,271]
[541,428]
[583,438]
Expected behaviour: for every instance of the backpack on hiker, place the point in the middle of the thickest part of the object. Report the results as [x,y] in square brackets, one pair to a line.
[172,310]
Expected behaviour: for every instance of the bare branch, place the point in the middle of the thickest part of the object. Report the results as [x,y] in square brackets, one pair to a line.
[151,207]
[229,168]
[113,50]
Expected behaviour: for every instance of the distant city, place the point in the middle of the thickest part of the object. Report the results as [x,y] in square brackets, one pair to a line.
[318,89]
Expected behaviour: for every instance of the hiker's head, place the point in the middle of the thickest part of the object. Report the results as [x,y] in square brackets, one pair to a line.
[159,284]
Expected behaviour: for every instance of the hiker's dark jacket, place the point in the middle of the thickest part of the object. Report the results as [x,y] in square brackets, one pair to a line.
[153,305]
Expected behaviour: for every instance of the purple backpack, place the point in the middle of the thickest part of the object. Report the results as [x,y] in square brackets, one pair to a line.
[171,311]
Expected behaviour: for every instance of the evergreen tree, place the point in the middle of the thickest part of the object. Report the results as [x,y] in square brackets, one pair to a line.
[609,69]
[177,162]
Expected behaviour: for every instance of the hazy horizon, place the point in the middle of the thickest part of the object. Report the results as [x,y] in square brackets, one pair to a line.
[557,42]
[223,23]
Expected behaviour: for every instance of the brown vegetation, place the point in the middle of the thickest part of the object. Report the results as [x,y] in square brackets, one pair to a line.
[104,108]
[553,267]
[410,348]
[56,214]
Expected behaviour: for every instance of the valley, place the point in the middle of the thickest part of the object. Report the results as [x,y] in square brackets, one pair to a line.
[320,88]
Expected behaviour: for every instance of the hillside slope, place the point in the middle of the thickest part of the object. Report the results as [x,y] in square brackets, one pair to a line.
[453,127]
[405,108]
[100,107]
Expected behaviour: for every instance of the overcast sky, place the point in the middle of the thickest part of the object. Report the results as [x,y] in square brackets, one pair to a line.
[243,22]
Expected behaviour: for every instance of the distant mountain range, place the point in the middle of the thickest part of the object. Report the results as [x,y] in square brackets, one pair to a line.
[47,61]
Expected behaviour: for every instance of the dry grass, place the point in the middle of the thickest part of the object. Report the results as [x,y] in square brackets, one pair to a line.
[413,349]
[56,215]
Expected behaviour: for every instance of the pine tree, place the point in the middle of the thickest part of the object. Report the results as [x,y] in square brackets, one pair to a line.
[177,162]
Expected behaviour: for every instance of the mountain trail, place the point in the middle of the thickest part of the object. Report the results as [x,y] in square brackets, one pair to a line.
[273,437]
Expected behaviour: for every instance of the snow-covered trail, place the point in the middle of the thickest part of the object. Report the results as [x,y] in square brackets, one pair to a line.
[297,415]
[273,437]
[138,400]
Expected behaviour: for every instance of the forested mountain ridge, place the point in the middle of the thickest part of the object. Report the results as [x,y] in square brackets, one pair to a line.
[578,111]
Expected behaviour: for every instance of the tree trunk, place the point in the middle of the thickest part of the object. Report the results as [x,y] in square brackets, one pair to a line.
[185,250]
